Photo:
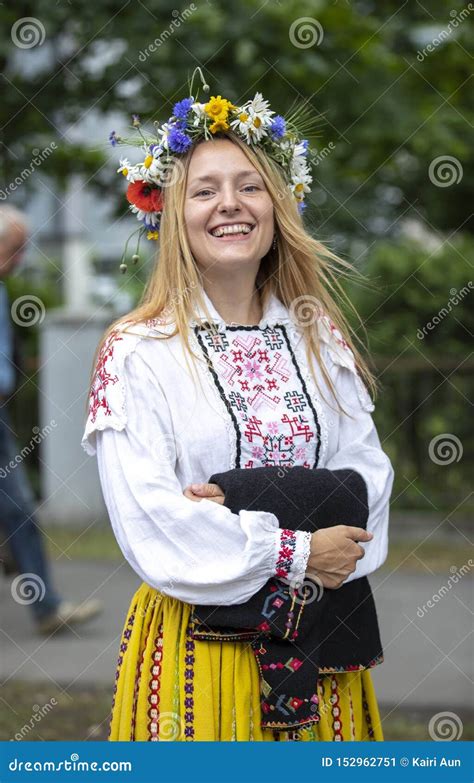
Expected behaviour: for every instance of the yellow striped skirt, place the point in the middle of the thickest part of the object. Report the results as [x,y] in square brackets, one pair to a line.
[169,687]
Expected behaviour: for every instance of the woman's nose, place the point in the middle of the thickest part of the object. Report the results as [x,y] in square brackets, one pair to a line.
[228,200]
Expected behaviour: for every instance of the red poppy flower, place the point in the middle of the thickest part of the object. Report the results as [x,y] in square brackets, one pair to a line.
[146,197]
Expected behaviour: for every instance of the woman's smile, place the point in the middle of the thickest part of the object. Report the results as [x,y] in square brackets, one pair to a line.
[232,232]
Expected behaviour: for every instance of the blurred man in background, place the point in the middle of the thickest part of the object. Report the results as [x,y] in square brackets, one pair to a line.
[18,527]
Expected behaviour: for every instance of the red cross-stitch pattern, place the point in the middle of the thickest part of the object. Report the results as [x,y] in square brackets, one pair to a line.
[264,390]
[336,333]
[102,378]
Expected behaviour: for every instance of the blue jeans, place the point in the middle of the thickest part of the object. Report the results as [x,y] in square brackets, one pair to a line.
[19,527]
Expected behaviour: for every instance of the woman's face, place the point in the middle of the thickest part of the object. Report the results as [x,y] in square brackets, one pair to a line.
[224,190]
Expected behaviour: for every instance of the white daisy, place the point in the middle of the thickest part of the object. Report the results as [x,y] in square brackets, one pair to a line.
[299,166]
[124,166]
[199,113]
[241,121]
[252,126]
[130,172]
[300,150]
[153,218]
[253,119]
[164,132]
[300,185]
[259,106]
[152,167]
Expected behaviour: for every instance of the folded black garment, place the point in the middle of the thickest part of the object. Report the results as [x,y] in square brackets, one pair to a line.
[297,632]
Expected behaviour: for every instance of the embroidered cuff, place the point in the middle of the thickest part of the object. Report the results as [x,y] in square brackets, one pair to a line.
[292,555]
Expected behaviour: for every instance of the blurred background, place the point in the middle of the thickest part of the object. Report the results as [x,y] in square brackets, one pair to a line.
[392,193]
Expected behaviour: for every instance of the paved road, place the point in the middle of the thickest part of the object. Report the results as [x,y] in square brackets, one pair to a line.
[428,658]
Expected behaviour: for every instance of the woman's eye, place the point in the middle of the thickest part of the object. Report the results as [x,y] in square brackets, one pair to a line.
[206,191]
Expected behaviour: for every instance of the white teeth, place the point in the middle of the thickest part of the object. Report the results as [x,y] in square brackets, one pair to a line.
[239,228]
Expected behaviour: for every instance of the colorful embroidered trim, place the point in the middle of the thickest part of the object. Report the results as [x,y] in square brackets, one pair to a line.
[189,685]
[154,687]
[336,710]
[123,649]
[286,552]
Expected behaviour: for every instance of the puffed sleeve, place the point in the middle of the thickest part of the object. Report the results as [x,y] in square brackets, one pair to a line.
[358,447]
[197,552]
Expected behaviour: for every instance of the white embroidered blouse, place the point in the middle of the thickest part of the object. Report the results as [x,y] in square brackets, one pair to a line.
[155,431]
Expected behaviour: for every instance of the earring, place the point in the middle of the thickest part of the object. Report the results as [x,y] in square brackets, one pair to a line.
[274,243]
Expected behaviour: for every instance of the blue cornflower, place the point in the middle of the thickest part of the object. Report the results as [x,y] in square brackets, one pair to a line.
[278,127]
[113,138]
[305,143]
[301,206]
[177,140]
[181,109]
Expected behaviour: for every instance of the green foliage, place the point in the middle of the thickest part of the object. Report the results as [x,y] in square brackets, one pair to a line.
[418,316]
[420,302]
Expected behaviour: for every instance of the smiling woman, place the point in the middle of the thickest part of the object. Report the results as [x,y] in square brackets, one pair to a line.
[241,288]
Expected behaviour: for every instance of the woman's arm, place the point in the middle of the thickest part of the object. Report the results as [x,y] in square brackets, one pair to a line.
[332,505]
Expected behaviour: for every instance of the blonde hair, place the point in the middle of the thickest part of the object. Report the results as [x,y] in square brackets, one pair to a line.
[301,271]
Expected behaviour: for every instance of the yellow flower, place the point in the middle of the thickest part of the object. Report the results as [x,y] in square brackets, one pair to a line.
[217,108]
[219,125]
[148,161]
[153,235]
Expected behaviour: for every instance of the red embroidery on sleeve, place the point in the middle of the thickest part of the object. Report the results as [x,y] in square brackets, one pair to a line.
[337,334]
[285,555]
[102,378]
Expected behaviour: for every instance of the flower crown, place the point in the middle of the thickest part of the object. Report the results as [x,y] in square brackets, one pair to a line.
[191,120]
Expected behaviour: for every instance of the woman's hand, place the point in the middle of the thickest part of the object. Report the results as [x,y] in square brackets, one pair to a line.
[334,553]
[198,492]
